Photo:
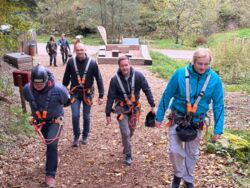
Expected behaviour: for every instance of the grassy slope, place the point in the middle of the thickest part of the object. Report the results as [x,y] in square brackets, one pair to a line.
[215,39]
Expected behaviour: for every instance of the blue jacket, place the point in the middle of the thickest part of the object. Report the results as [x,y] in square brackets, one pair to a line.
[59,96]
[63,42]
[176,89]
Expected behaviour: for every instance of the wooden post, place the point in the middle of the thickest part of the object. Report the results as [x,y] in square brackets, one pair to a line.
[20,84]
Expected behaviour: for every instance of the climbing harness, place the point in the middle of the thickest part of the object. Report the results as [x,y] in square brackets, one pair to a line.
[191,108]
[87,92]
[38,125]
[129,106]
[40,120]
[187,129]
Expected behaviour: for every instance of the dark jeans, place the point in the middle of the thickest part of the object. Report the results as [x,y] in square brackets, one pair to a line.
[64,57]
[50,131]
[75,108]
[52,59]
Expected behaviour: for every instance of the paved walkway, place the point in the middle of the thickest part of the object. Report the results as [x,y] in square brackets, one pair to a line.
[176,54]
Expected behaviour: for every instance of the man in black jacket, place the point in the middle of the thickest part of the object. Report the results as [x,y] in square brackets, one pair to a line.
[80,72]
[124,90]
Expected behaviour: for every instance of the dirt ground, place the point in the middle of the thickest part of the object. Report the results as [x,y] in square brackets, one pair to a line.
[100,163]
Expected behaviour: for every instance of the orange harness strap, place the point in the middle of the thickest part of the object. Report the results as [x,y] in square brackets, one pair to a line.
[38,128]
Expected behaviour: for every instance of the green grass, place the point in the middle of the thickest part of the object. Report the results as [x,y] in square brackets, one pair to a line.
[238,87]
[164,66]
[215,39]
[89,40]
[167,43]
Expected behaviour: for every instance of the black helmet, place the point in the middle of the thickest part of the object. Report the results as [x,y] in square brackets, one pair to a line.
[186,133]
[150,120]
[39,74]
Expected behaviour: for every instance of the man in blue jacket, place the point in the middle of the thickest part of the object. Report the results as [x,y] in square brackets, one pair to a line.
[47,99]
[64,48]
[191,89]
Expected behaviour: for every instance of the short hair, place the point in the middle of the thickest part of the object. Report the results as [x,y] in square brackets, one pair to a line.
[202,52]
[124,57]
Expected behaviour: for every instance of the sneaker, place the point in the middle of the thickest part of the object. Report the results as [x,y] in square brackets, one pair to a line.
[176,182]
[85,141]
[75,142]
[189,185]
[50,181]
[128,159]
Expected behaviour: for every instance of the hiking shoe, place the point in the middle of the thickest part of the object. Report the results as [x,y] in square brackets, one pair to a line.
[50,181]
[75,142]
[85,141]
[189,185]
[128,159]
[176,182]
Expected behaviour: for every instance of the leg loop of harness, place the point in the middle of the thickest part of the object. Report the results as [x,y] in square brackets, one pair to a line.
[132,110]
[88,96]
[38,125]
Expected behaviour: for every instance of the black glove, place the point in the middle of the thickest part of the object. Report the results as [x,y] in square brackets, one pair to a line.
[68,103]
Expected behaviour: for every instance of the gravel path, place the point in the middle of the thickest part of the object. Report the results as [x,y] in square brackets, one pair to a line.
[100,163]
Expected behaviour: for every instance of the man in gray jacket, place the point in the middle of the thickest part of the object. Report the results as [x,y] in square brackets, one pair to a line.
[47,99]
[124,90]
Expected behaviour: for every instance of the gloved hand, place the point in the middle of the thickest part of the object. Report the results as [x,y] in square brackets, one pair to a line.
[68,103]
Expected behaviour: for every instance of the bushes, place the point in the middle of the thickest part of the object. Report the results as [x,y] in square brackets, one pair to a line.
[14,124]
[232,59]
[234,143]
[200,40]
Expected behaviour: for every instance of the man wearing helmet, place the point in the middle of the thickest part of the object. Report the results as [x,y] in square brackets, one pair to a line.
[124,90]
[47,99]
[192,88]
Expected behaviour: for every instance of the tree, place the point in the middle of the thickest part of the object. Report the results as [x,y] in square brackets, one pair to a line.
[177,18]
[14,15]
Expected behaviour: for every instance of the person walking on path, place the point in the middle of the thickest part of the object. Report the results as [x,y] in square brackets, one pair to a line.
[191,89]
[80,73]
[64,48]
[51,49]
[47,99]
[124,90]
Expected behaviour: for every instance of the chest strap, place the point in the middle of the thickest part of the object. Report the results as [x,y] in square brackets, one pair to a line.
[191,108]
[81,81]
[132,99]
[40,113]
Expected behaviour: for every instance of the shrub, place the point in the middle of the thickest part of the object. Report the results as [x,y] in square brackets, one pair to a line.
[233,143]
[232,60]
[200,40]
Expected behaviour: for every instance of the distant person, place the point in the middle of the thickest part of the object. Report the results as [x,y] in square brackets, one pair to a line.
[80,73]
[51,49]
[64,48]
[77,40]
[124,91]
[47,99]
[191,89]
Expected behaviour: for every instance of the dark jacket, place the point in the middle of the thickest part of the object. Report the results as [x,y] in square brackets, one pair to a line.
[70,76]
[58,97]
[115,91]
[51,47]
